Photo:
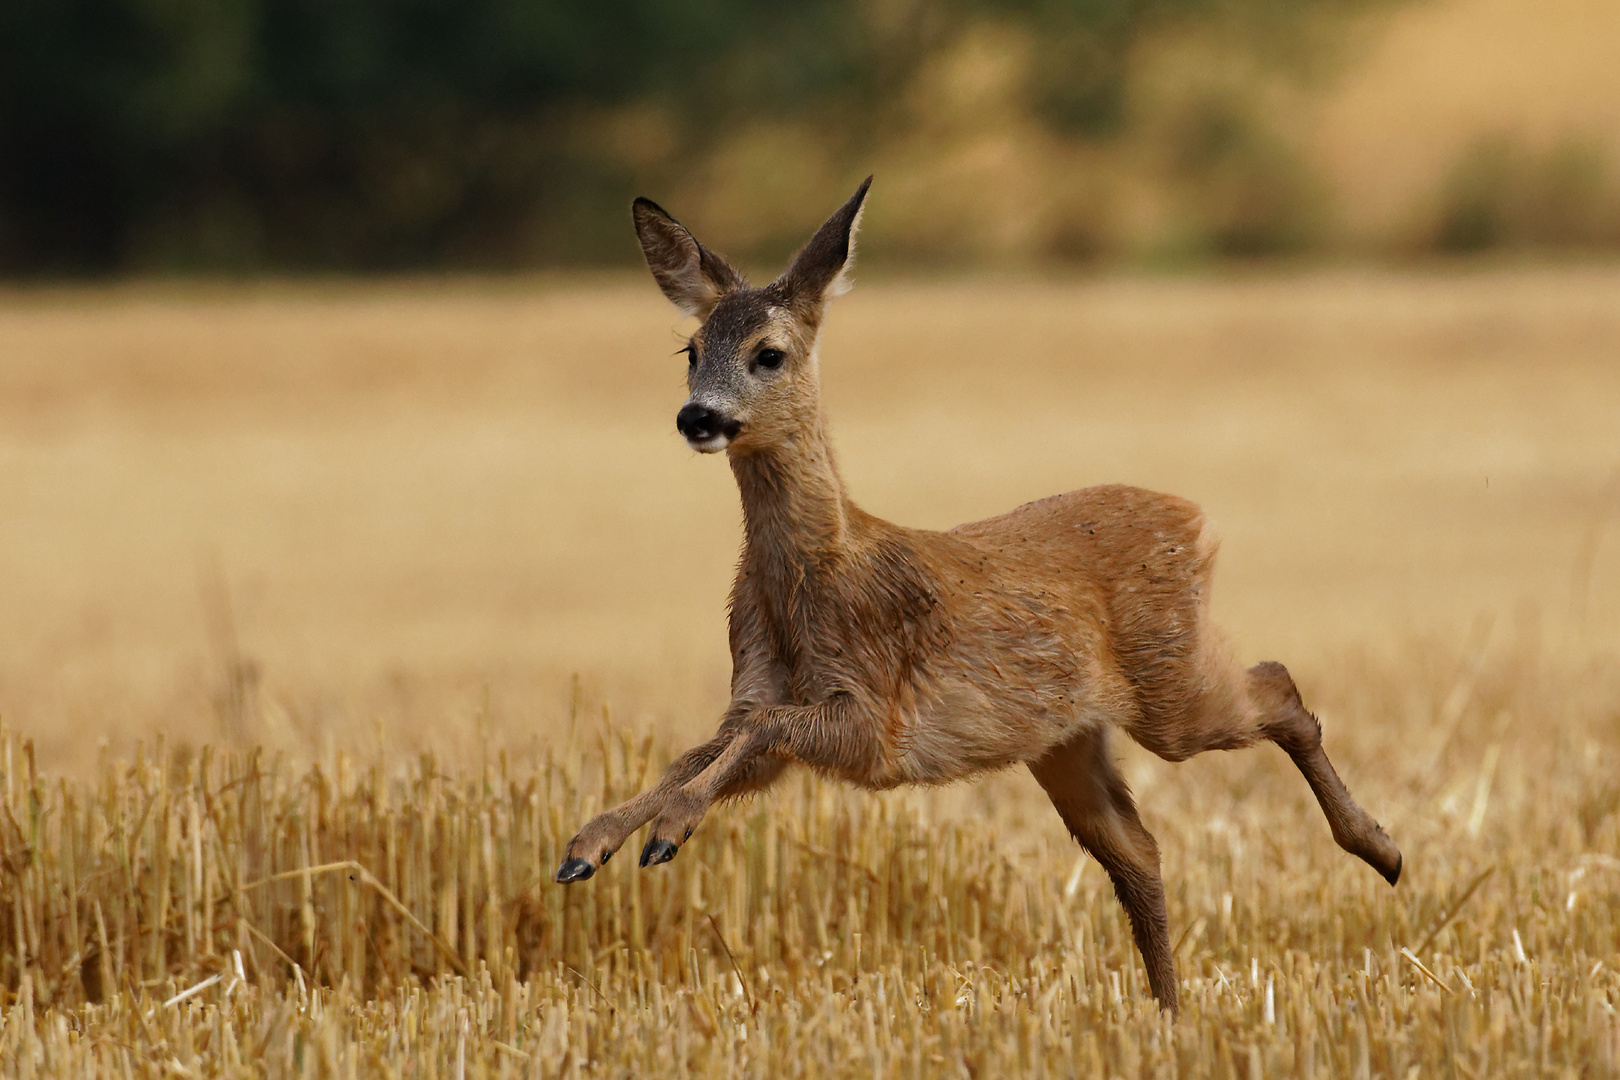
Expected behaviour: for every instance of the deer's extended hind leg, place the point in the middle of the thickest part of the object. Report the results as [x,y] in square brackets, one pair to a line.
[1091,796]
[1213,704]
[1285,721]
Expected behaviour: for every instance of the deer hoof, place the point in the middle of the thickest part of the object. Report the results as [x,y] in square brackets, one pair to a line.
[1392,876]
[658,851]
[574,870]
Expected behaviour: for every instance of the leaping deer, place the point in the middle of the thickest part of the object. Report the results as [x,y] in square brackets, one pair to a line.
[883,655]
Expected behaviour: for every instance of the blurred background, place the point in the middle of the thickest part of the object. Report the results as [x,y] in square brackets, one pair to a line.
[337,422]
[336,406]
[295,135]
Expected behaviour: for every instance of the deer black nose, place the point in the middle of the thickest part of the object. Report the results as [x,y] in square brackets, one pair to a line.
[699,423]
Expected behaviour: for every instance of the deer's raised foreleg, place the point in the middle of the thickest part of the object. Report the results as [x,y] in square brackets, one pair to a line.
[1092,798]
[830,737]
[600,838]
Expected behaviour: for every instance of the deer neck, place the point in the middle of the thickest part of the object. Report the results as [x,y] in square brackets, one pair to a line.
[796,515]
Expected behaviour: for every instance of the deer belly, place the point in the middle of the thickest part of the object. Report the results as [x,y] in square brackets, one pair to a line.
[960,728]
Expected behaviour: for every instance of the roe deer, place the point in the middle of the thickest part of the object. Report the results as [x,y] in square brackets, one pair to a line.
[883,655]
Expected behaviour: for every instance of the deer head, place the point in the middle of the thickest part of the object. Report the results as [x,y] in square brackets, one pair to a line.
[751,365]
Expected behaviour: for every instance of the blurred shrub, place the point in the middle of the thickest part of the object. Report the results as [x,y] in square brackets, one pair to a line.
[1499,194]
[208,134]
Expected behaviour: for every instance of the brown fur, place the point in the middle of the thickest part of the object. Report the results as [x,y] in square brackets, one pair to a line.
[883,655]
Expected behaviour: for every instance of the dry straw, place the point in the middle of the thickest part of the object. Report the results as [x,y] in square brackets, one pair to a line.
[223,913]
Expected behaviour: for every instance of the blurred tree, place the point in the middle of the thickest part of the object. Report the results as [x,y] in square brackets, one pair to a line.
[365,134]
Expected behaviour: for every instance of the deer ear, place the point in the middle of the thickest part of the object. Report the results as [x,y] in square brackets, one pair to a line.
[693,277]
[821,268]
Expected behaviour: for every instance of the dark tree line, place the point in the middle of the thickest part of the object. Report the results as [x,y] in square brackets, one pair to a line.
[363,134]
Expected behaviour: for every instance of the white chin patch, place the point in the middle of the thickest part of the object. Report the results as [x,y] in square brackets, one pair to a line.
[712,445]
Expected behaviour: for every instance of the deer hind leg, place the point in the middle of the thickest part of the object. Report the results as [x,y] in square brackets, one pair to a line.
[1092,798]
[1191,696]
[1285,721]
[1233,708]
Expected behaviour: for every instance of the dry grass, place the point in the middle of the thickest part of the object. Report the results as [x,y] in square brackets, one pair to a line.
[819,934]
[356,527]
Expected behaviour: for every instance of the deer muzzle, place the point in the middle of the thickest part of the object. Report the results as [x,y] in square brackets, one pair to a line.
[705,429]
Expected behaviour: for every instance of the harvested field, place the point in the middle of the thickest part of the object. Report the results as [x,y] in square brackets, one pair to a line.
[363,538]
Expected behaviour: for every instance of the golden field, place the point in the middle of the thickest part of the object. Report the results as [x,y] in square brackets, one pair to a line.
[378,530]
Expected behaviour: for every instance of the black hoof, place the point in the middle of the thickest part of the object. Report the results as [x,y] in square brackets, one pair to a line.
[658,851]
[574,870]
[1395,875]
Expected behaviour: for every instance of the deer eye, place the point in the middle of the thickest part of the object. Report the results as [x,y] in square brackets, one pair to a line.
[691,356]
[770,359]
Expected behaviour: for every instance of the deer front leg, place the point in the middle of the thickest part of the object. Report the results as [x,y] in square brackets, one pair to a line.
[741,766]
[595,844]
[830,737]
[759,773]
